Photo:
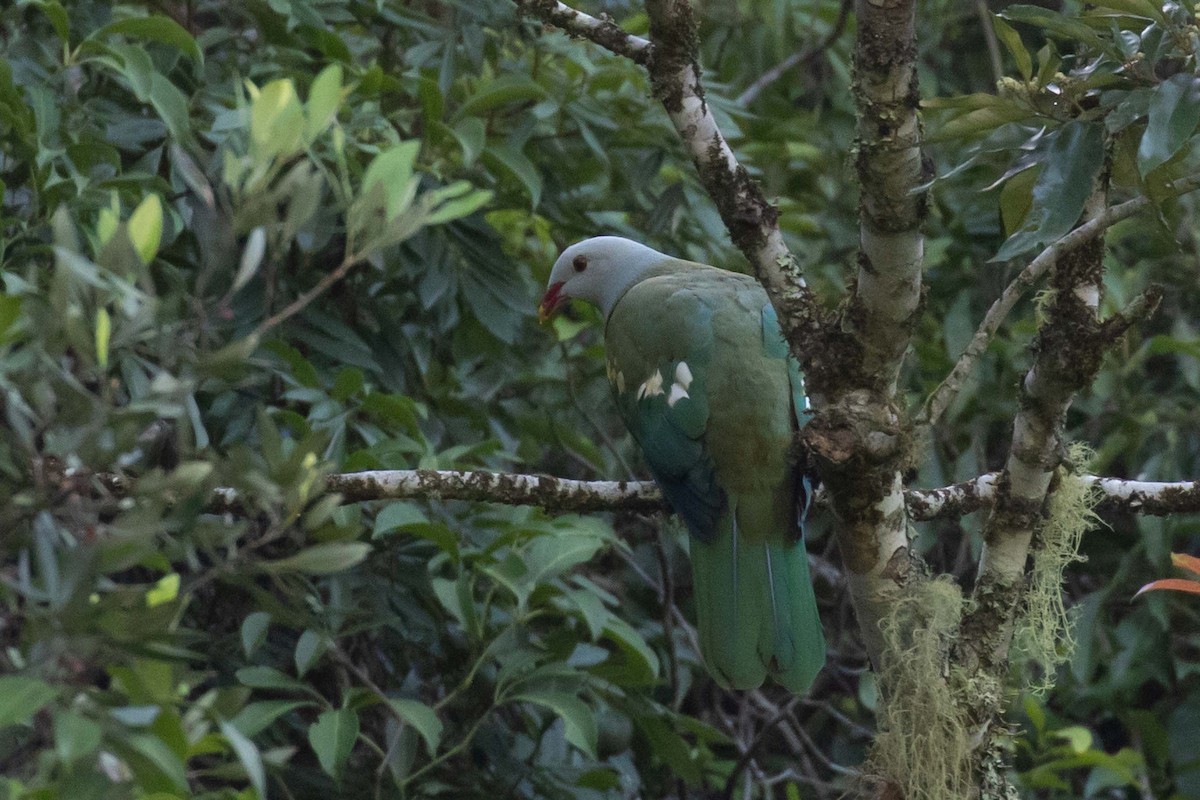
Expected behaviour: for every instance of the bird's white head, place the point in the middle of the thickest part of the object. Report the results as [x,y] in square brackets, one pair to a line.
[597,270]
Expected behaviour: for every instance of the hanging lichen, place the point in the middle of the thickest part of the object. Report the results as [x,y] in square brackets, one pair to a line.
[1045,632]
[923,747]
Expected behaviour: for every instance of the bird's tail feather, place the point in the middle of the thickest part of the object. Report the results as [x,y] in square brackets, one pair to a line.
[755,608]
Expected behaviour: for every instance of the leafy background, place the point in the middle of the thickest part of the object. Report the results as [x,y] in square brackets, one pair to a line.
[176,174]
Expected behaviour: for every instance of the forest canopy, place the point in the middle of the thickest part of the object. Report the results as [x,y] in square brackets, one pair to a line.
[247,246]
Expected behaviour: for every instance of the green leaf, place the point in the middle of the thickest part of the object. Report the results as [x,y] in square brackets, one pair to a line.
[517,164]
[1016,198]
[397,515]
[324,99]
[392,170]
[981,121]
[1147,9]
[254,631]
[635,663]
[1077,737]
[309,649]
[75,736]
[322,559]
[1012,41]
[1069,167]
[172,107]
[21,697]
[165,590]
[103,335]
[577,716]
[162,760]
[277,120]
[257,717]
[247,753]
[421,717]
[58,18]
[1061,26]
[503,91]
[156,29]
[1174,114]
[471,134]
[252,256]
[332,738]
[10,312]
[146,226]
[269,678]
[457,200]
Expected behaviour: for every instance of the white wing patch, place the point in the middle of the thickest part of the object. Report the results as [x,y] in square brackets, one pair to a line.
[652,386]
[679,389]
[683,375]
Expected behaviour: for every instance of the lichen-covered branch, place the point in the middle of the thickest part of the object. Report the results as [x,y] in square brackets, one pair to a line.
[1067,353]
[555,494]
[941,397]
[564,495]
[603,32]
[860,439]
[888,288]
[752,222]
[1116,496]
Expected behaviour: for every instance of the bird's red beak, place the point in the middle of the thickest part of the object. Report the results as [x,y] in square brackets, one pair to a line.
[550,302]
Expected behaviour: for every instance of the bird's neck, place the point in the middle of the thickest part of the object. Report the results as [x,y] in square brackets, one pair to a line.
[633,274]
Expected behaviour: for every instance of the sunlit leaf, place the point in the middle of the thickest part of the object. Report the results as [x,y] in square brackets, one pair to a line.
[146,226]
[103,337]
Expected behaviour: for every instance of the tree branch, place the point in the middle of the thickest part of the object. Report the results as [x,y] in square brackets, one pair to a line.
[603,32]
[752,222]
[563,495]
[556,494]
[1067,353]
[859,440]
[941,397]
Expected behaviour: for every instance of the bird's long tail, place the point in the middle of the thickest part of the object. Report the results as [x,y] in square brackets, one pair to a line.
[755,608]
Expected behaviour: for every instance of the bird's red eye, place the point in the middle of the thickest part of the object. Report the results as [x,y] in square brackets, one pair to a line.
[580,263]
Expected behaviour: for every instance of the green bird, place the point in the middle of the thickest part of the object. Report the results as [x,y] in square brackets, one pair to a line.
[703,379]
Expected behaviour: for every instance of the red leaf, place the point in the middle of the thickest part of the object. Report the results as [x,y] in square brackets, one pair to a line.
[1184,561]
[1176,584]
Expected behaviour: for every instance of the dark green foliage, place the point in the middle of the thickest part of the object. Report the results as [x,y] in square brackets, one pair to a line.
[176,173]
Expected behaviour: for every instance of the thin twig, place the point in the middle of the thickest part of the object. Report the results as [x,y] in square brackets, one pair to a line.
[748,754]
[795,59]
[301,302]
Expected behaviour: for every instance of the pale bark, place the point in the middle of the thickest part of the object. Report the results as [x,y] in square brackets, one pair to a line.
[862,452]
[564,495]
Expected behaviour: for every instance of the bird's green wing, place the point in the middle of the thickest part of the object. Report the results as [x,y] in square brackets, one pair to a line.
[659,344]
